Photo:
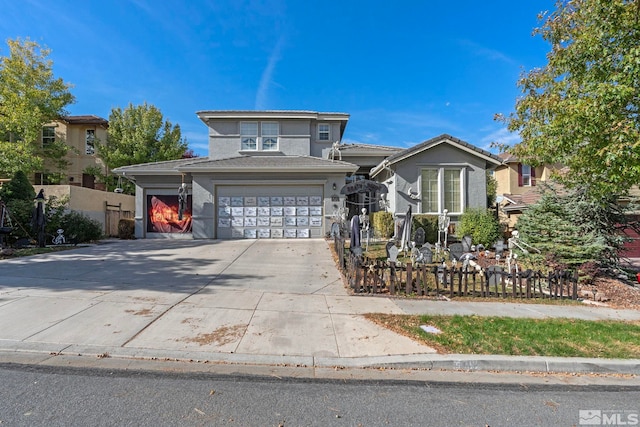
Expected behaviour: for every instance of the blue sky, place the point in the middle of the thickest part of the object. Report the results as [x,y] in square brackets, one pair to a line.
[405,71]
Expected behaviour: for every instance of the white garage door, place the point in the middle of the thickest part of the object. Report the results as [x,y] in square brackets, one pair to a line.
[269,212]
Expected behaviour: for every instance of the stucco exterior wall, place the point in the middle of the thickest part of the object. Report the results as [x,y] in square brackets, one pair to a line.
[205,192]
[89,202]
[408,175]
[74,136]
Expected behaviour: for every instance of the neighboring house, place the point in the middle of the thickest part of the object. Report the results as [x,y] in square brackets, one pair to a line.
[80,133]
[517,187]
[279,174]
[441,173]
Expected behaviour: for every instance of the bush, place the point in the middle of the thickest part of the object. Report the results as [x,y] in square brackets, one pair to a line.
[382,223]
[79,228]
[481,225]
[126,228]
[19,188]
[429,224]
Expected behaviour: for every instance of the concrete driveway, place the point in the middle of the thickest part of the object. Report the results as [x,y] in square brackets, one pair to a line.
[253,299]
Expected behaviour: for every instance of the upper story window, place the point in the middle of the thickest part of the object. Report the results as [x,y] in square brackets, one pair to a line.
[249,135]
[48,135]
[323,132]
[441,188]
[90,142]
[270,132]
[526,175]
[263,137]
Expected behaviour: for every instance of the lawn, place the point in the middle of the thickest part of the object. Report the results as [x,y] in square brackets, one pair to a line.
[520,337]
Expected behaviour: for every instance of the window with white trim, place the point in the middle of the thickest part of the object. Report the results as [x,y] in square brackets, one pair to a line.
[48,135]
[249,135]
[323,132]
[90,142]
[441,188]
[270,132]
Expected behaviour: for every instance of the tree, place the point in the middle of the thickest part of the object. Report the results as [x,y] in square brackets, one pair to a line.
[581,109]
[139,134]
[30,97]
[19,188]
[563,227]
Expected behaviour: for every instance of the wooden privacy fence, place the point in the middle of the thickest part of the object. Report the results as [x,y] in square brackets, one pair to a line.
[375,276]
[112,216]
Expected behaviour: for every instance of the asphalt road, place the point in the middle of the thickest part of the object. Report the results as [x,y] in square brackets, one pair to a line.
[33,396]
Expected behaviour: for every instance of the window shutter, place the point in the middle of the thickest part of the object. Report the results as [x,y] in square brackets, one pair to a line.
[533,176]
[519,174]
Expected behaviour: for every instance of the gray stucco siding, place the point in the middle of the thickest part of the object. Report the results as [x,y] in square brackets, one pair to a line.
[408,173]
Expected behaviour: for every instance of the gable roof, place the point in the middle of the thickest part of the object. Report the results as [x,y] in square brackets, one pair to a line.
[442,139]
[239,163]
[357,149]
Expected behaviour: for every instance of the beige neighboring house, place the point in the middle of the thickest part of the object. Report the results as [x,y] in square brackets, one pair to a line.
[85,194]
[517,187]
[80,133]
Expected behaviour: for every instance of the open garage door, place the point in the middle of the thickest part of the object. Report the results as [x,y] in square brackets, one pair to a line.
[269,212]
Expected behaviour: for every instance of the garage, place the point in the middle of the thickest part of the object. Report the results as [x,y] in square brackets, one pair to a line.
[269,211]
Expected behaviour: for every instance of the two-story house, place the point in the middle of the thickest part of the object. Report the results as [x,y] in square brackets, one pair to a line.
[268,175]
[286,174]
[517,186]
[80,133]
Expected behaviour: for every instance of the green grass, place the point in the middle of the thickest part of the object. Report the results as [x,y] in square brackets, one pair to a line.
[521,337]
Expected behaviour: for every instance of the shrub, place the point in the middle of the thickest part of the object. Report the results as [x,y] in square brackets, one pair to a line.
[429,224]
[126,228]
[383,223]
[79,228]
[19,188]
[481,225]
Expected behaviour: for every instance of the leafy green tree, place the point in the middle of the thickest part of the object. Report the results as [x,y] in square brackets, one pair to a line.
[30,97]
[139,134]
[581,109]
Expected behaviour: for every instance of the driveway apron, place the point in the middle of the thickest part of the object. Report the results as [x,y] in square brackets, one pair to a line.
[249,297]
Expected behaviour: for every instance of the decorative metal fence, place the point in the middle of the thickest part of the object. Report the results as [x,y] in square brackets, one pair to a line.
[369,276]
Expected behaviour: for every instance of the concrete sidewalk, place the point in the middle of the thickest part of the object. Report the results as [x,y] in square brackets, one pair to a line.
[240,302]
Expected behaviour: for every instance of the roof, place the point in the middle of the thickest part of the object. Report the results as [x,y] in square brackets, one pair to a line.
[343,118]
[358,149]
[156,168]
[239,163]
[294,114]
[507,157]
[85,120]
[269,164]
[444,138]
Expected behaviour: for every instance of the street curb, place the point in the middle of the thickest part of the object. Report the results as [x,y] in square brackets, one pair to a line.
[445,362]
